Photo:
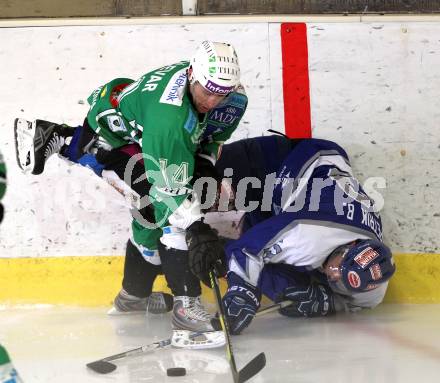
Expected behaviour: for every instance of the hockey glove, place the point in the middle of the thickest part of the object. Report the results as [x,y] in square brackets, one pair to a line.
[309,301]
[241,303]
[205,251]
[204,168]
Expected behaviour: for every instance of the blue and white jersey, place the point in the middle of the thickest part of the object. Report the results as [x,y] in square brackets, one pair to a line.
[317,206]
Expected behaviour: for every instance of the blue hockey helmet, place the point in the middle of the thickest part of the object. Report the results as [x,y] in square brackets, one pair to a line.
[366,265]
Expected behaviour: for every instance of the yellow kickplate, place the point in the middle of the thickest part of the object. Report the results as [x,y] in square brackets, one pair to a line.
[417,279]
[94,281]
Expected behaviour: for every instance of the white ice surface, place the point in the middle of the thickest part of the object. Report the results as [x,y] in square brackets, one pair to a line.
[393,343]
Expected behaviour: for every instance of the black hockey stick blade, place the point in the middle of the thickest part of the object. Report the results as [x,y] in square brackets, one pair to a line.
[252,368]
[101,367]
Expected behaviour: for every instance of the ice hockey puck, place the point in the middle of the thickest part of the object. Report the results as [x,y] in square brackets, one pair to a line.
[176,371]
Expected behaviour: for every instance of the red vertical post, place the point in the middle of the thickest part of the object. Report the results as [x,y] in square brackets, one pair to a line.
[296,91]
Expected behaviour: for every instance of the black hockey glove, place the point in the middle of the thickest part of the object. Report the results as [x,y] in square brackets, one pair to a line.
[241,303]
[203,168]
[314,300]
[205,252]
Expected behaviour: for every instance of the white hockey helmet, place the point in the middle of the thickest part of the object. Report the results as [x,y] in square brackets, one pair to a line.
[215,67]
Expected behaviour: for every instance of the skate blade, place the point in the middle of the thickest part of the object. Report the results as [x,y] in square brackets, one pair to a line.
[185,339]
[115,312]
[24,132]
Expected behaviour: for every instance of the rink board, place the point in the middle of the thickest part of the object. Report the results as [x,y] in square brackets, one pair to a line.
[370,84]
[94,281]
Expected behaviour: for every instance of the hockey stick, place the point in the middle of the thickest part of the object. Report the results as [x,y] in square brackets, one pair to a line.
[274,307]
[256,364]
[103,366]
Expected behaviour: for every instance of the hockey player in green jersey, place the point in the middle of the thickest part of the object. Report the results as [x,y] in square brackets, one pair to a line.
[8,374]
[173,120]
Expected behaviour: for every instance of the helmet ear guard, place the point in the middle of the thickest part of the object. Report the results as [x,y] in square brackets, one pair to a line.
[215,66]
[366,265]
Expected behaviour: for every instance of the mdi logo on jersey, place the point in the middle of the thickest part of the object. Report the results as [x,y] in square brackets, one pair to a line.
[225,115]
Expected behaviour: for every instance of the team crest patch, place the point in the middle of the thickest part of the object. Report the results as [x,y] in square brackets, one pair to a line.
[376,272]
[364,258]
[353,279]
[272,251]
[116,124]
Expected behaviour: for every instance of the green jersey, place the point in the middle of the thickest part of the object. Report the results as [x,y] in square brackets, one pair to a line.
[157,113]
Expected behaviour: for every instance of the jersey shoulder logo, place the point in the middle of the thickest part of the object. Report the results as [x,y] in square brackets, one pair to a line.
[175,89]
[270,252]
[116,124]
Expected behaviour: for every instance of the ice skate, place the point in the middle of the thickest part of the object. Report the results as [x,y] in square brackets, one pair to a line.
[156,303]
[193,326]
[36,141]
[190,314]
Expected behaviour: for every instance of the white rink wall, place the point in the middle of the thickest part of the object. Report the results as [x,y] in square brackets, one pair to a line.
[374,89]
[48,72]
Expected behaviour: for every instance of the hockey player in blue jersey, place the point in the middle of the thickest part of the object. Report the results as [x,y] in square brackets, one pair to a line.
[316,240]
